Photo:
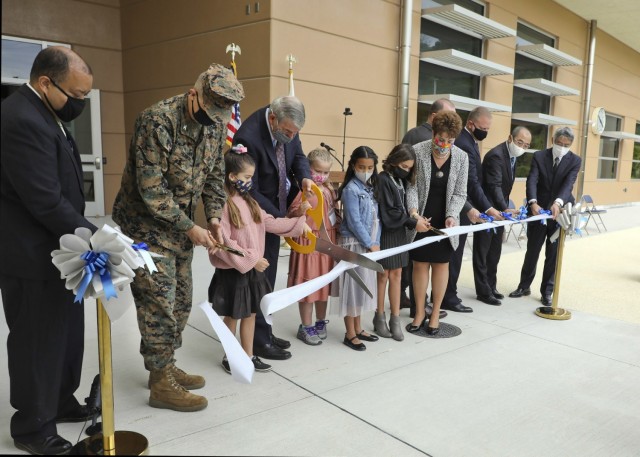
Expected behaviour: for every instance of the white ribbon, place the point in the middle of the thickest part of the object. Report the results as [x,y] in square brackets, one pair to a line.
[571,220]
[122,260]
[242,368]
[280,299]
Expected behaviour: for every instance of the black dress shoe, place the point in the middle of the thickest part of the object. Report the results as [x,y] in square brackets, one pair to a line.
[489,300]
[458,308]
[282,344]
[362,336]
[355,346]
[81,414]
[520,292]
[546,300]
[497,294]
[49,445]
[271,352]
[429,309]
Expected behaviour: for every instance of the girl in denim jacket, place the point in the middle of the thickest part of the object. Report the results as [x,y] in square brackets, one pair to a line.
[360,232]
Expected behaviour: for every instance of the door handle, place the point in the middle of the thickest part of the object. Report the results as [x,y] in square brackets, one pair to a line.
[98,163]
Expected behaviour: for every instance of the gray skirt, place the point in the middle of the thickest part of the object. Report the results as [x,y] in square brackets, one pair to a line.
[353,300]
[393,239]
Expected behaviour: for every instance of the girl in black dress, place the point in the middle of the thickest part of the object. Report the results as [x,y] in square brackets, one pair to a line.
[394,218]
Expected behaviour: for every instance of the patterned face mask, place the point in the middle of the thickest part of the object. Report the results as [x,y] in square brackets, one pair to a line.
[318,179]
[242,187]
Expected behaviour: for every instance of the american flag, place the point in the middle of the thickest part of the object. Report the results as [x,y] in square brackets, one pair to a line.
[234,123]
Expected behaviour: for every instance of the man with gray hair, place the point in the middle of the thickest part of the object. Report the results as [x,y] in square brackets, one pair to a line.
[549,185]
[282,170]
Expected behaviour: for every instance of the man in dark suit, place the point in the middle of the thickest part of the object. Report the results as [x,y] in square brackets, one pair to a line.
[549,185]
[498,169]
[41,199]
[475,130]
[271,137]
[422,132]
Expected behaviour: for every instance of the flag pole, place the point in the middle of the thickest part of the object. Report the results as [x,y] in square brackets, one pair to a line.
[234,123]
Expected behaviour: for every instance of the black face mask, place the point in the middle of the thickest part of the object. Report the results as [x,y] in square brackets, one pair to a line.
[400,173]
[71,109]
[201,115]
[480,134]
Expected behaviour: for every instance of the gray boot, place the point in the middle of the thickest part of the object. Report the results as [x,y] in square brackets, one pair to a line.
[396,328]
[380,325]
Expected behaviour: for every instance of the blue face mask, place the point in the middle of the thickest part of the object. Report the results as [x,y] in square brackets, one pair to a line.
[242,187]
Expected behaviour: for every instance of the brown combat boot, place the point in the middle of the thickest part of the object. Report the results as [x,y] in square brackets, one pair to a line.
[168,394]
[188,381]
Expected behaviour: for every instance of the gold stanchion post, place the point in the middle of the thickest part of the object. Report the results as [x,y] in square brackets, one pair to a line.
[113,442]
[553,312]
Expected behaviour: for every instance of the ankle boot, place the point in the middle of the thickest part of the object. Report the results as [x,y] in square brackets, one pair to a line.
[380,325]
[167,393]
[396,328]
[188,381]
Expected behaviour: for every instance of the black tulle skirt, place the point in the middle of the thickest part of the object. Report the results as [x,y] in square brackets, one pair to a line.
[237,295]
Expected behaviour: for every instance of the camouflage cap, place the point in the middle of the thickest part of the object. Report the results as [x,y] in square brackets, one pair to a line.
[219,89]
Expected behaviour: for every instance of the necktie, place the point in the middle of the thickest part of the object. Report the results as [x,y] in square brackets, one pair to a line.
[513,166]
[556,161]
[282,175]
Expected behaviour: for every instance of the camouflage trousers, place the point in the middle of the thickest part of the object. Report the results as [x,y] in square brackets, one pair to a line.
[163,303]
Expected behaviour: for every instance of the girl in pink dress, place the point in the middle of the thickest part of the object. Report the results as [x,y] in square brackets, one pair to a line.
[239,283]
[303,267]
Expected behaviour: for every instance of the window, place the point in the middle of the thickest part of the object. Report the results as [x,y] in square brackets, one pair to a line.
[635,162]
[435,79]
[18,55]
[434,37]
[609,150]
[530,101]
[439,79]
[468,4]
[528,35]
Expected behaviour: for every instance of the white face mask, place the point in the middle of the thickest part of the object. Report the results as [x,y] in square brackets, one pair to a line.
[515,150]
[559,151]
[363,176]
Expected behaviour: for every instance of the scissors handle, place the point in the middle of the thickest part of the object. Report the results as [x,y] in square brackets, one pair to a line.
[317,215]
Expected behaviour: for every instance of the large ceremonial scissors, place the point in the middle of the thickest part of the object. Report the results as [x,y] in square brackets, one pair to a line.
[322,243]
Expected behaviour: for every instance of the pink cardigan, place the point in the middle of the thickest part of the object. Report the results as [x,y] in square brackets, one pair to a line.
[250,238]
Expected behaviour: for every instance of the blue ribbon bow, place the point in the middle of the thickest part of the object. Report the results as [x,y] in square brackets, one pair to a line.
[523,213]
[508,216]
[545,211]
[140,246]
[488,218]
[96,261]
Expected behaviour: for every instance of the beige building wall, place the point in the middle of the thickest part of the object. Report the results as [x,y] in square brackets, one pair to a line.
[142,51]
[92,28]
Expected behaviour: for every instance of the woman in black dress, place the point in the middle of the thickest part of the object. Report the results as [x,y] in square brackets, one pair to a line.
[437,197]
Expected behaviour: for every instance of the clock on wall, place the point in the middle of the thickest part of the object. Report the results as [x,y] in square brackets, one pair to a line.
[598,120]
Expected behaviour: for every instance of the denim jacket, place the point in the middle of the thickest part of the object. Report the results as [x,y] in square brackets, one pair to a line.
[358,205]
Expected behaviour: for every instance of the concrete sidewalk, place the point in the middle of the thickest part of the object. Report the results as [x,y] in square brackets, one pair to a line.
[512,384]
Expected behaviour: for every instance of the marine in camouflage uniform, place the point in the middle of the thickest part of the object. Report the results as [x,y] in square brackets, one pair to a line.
[173,161]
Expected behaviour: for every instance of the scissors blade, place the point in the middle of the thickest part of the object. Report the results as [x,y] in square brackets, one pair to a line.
[437,231]
[338,253]
[356,277]
[224,247]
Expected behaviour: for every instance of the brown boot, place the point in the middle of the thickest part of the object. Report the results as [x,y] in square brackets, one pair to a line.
[168,394]
[188,381]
